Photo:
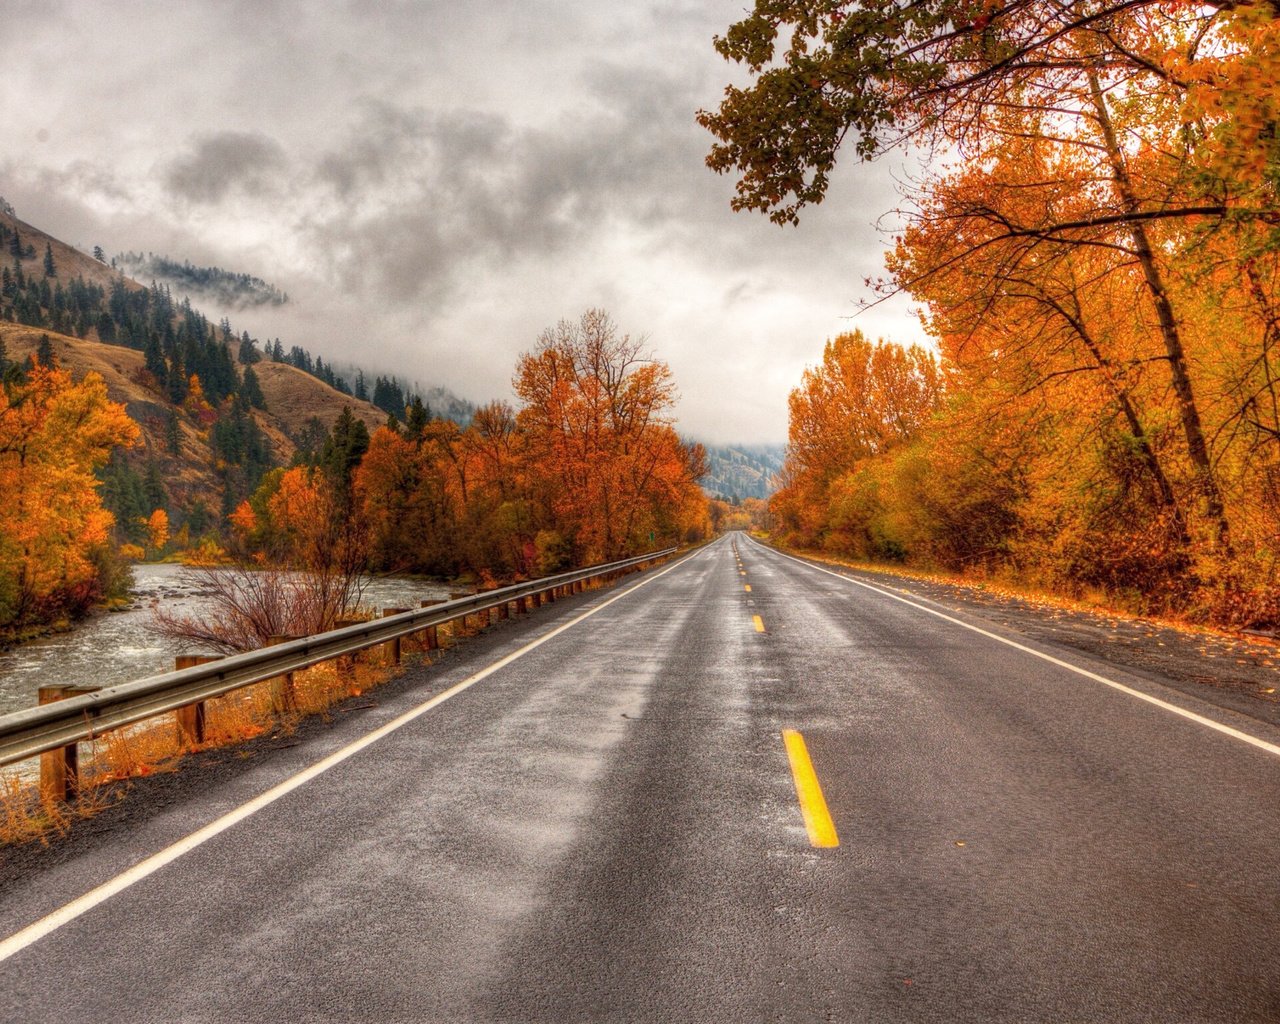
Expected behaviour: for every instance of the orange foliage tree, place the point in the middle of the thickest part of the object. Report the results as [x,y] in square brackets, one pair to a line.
[612,475]
[862,401]
[588,468]
[54,435]
[1099,265]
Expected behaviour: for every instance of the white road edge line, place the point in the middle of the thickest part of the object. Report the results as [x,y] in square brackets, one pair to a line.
[32,933]
[1226,730]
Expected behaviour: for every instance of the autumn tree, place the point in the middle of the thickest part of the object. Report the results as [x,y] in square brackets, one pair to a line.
[157,530]
[54,435]
[884,71]
[860,402]
[595,416]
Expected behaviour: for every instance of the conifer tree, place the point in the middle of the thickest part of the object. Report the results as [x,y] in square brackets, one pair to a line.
[172,434]
[251,389]
[417,416]
[50,268]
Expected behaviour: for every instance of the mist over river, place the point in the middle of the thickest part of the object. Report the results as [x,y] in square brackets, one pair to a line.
[119,646]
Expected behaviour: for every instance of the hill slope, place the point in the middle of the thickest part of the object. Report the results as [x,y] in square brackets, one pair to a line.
[743,471]
[69,261]
[293,399]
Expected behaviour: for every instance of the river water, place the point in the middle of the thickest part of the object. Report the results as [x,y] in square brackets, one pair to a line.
[117,647]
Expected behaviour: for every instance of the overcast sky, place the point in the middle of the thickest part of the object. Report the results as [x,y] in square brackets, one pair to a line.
[433,183]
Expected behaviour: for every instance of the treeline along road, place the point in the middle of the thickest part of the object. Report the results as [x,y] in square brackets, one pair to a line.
[742,787]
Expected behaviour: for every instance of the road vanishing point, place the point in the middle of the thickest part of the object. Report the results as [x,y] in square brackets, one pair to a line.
[740,787]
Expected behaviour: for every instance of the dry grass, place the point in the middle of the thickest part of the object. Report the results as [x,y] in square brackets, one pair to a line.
[1090,600]
[294,397]
[27,816]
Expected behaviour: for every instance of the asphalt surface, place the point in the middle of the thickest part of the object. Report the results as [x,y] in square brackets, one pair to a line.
[605,828]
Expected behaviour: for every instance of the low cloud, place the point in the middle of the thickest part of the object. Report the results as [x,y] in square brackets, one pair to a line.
[224,163]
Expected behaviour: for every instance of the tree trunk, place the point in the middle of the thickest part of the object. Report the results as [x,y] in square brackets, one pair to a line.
[1184,394]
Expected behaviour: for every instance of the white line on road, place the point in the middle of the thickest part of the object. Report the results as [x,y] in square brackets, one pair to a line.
[1226,730]
[20,940]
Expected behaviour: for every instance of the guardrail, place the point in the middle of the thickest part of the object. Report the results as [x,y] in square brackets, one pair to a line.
[64,723]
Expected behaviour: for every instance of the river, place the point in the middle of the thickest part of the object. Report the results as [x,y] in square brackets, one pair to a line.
[118,646]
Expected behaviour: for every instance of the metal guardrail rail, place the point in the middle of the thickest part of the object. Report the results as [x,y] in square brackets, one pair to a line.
[33,731]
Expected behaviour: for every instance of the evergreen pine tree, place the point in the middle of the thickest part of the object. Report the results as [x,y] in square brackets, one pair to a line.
[343,451]
[154,492]
[44,352]
[176,381]
[252,389]
[50,269]
[106,328]
[172,435]
[362,392]
[154,359]
[417,416]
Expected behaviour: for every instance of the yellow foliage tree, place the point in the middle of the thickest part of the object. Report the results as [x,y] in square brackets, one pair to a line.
[158,530]
[54,435]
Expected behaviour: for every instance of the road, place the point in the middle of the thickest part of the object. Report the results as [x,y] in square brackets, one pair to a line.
[606,827]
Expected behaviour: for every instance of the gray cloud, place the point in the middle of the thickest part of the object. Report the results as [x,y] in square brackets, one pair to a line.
[415,200]
[220,164]
[438,180]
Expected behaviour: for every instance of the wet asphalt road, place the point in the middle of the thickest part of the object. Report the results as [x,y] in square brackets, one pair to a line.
[606,829]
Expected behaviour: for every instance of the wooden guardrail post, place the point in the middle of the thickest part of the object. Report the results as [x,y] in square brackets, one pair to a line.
[522,605]
[432,632]
[393,647]
[191,719]
[283,697]
[457,595]
[347,662]
[486,614]
[60,769]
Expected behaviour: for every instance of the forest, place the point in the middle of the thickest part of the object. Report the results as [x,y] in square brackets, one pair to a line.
[587,468]
[1095,250]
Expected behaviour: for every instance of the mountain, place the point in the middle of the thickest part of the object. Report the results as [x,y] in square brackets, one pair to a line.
[215,410]
[74,315]
[743,471]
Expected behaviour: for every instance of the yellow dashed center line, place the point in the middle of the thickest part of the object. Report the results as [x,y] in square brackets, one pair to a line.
[759,623]
[813,805]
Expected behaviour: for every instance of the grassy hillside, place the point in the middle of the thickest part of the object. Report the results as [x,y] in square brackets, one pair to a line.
[293,400]
[207,433]
[69,261]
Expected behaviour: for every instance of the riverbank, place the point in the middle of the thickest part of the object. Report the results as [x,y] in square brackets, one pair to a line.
[113,647]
